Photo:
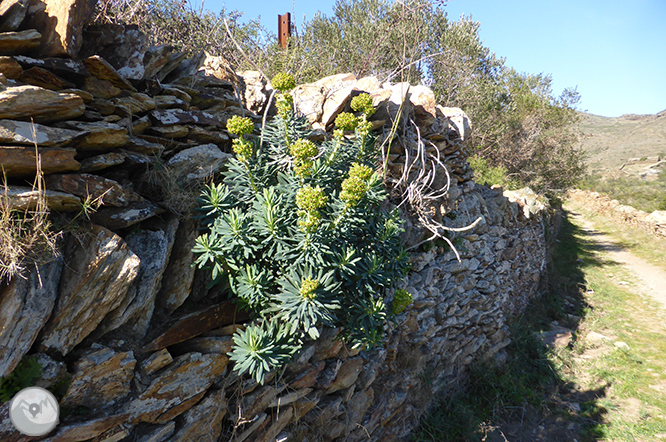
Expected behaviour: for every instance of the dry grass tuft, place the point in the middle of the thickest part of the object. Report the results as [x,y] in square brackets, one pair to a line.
[25,235]
[172,192]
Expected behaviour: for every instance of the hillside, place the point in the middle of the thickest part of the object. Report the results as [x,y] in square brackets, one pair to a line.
[611,142]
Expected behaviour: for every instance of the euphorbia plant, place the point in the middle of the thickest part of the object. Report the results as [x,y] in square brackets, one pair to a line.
[301,234]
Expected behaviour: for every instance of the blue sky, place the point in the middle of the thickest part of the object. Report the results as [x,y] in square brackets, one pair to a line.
[613,51]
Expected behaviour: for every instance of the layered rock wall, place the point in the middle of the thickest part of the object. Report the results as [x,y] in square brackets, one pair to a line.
[653,223]
[131,336]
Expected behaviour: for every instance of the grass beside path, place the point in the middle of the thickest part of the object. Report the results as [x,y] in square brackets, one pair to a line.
[607,383]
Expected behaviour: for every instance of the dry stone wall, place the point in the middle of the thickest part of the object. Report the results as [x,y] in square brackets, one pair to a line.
[126,330]
[653,223]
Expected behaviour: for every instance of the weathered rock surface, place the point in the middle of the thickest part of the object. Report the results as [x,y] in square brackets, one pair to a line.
[101,88]
[207,136]
[219,67]
[22,161]
[99,270]
[251,405]
[657,217]
[346,375]
[155,59]
[19,42]
[195,324]
[23,132]
[425,104]
[459,120]
[101,162]
[27,198]
[142,146]
[206,344]
[197,163]
[123,46]
[40,104]
[12,13]
[170,102]
[72,70]
[336,97]
[25,306]
[87,186]
[61,24]
[159,434]
[369,84]
[10,68]
[115,434]
[178,388]
[101,69]
[98,136]
[101,377]
[203,422]
[156,361]
[278,423]
[128,105]
[86,430]
[167,117]
[175,59]
[256,92]
[173,131]
[179,274]
[136,310]
[116,218]
[52,370]
[309,100]
[43,78]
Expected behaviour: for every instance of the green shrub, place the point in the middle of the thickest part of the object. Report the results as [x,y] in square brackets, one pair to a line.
[300,232]
[641,194]
[486,174]
[22,377]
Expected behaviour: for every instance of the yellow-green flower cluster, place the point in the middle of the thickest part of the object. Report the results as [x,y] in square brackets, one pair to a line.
[401,299]
[309,200]
[364,127]
[285,106]
[361,171]
[283,82]
[308,288]
[284,102]
[241,126]
[355,186]
[242,148]
[303,150]
[363,103]
[238,125]
[346,121]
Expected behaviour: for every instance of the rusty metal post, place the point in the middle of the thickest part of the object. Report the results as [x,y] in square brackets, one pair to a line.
[284,29]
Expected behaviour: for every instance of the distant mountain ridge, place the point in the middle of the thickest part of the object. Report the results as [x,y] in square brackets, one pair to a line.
[611,142]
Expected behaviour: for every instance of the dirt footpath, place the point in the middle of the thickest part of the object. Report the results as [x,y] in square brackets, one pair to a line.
[650,279]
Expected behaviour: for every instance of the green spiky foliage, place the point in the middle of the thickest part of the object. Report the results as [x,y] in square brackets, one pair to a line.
[300,232]
[23,376]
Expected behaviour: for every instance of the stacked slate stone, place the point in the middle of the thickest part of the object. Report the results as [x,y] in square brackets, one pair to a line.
[653,223]
[419,119]
[98,124]
[107,319]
